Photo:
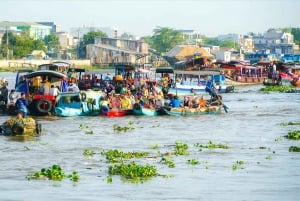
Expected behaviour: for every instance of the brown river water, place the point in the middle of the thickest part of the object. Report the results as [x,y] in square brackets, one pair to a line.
[251,128]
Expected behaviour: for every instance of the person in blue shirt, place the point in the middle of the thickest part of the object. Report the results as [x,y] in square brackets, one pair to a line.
[210,87]
[175,102]
[21,105]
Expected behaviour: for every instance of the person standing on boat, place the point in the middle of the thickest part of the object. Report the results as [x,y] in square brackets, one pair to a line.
[21,105]
[210,87]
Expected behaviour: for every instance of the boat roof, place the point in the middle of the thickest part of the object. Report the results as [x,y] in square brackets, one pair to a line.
[201,72]
[164,70]
[45,72]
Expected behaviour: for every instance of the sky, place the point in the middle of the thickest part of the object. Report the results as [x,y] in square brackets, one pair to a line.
[141,17]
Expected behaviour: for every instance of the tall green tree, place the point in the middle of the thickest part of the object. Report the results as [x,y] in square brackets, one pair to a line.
[52,43]
[165,38]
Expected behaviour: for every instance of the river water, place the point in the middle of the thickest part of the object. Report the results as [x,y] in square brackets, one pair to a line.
[251,128]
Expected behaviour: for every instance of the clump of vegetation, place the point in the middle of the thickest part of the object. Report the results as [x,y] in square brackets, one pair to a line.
[124,129]
[54,173]
[167,161]
[294,149]
[293,135]
[238,165]
[193,162]
[133,171]
[211,145]
[88,152]
[116,155]
[284,89]
[290,123]
[181,148]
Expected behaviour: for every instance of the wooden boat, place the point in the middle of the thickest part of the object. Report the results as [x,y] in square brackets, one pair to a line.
[39,103]
[241,73]
[25,126]
[139,110]
[84,103]
[194,111]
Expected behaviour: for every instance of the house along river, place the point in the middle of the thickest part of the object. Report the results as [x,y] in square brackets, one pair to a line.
[251,129]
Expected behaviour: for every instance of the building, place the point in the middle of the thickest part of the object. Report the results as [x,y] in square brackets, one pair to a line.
[55,28]
[111,51]
[275,41]
[66,40]
[35,30]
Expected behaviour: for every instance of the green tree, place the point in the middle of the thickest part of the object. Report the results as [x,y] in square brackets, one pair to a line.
[52,43]
[165,38]
[7,44]
[126,36]
[88,38]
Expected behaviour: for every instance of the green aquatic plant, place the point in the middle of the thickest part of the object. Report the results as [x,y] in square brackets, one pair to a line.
[212,145]
[154,146]
[181,148]
[193,162]
[116,155]
[88,152]
[167,161]
[293,135]
[133,171]
[269,157]
[89,132]
[124,129]
[290,123]
[294,149]
[237,165]
[284,89]
[54,173]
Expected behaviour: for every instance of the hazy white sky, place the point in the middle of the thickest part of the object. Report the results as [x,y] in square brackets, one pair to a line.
[140,17]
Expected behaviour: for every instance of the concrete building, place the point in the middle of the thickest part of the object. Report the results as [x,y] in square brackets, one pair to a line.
[35,30]
[275,41]
[111,51]
[55,28]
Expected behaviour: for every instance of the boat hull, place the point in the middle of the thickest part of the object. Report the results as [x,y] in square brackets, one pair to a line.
[194,111]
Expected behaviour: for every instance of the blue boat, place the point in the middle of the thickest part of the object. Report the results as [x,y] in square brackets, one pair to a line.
[183,82]
[84,103]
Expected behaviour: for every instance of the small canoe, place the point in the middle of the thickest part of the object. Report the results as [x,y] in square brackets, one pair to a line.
[139,110]
[118,112]
[194,111]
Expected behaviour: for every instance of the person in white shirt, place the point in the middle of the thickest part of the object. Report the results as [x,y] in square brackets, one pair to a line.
[54,90]
[73,87]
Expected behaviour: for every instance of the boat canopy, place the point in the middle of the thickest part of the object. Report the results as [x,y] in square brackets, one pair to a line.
[45,73]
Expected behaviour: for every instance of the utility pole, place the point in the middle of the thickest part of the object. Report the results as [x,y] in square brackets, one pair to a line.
[7,51]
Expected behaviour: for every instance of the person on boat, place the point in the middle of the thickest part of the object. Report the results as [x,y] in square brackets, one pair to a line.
[13,96]
[186,102]
[195,102]
[4,93]
[202,102]
[74,88]
[159,102]
[54,90]
[108,88]
[175,102]
[210,88]
[21,105]
[125,102]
